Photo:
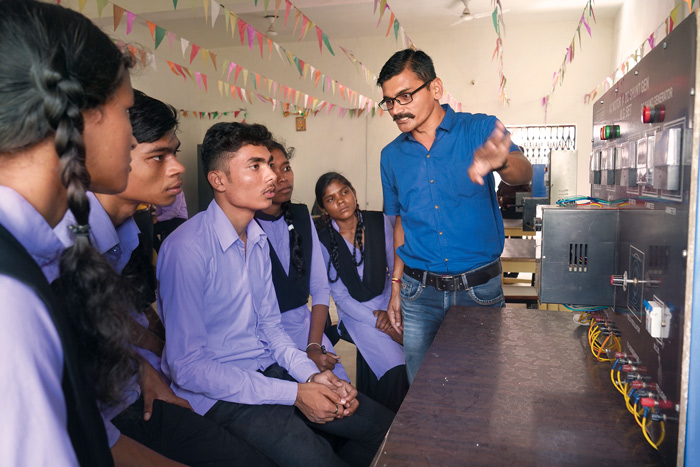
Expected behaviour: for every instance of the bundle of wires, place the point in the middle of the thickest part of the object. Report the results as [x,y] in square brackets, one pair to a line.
[590,201]
[632,397]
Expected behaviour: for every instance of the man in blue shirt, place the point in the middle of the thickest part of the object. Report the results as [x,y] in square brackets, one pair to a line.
[226,350]
[437,180]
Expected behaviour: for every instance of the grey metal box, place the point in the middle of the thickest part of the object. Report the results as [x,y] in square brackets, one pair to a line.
[576,255]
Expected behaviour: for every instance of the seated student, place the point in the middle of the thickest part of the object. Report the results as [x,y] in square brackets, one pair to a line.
[65,92]
[226,350]
[297,267]
[168,426]
[358,248]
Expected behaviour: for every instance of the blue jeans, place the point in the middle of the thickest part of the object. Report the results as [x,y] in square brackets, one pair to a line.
[424,307]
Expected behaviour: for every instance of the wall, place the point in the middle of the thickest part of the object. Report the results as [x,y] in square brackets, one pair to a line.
[634,23]
[533,50]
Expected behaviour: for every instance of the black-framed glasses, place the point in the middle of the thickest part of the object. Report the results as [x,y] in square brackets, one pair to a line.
[406,98]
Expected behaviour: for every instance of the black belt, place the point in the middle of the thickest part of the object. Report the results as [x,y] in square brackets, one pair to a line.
[451,283]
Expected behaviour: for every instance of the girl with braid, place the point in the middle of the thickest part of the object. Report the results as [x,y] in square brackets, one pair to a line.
[358,250]
[65,95]
[297,267]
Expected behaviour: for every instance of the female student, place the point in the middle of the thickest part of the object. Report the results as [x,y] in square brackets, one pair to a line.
[64,99]
[358,251]
[297,267]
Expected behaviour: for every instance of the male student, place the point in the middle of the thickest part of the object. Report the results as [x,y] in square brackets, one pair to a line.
[226,351]
[166,425]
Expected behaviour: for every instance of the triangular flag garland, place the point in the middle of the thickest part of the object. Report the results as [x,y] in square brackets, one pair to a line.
[311,104]
[213,115]
[678,13]
[499,25]
[252,34]
[408,43]
[558,76]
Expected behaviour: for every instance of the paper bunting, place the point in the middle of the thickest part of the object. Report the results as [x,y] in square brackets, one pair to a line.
[676,14]
[118,13]
[306,70]
[570,52]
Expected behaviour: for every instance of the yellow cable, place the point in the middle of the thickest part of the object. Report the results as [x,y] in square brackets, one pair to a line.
[636,415]
[646,434]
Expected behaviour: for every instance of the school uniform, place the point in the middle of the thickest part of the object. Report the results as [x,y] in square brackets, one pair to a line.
[173,431]
[296,316]
[356,307]
[44,401]
[228,354]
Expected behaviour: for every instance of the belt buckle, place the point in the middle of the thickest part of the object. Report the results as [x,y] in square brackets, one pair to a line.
[443,283]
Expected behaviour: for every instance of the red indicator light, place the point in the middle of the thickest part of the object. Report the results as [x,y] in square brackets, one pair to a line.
[660,113]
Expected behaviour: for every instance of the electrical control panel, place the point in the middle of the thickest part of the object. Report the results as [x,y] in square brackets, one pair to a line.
[627,249]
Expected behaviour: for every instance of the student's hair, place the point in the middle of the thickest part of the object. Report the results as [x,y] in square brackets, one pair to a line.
[415,60]
[222,140]
[321,185]
[297,251]
[151,119]
[54,64]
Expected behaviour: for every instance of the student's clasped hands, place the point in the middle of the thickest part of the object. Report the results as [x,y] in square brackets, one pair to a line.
[326,398]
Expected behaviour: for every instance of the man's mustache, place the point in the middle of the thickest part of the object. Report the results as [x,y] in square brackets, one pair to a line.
[404,115]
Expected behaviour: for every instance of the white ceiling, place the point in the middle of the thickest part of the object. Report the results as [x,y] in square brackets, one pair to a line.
[353,18]
[341,20]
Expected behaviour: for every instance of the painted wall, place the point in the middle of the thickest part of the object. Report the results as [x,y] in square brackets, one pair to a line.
[533,51]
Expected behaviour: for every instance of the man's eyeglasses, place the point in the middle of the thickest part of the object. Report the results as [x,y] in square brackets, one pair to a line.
[406,98]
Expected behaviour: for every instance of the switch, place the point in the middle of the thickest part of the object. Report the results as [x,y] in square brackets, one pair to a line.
[658,319]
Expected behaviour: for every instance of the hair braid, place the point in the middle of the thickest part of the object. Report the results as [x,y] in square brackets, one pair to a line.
[96,297]
[294,241]
[333,257]
[358,238]
[56,64]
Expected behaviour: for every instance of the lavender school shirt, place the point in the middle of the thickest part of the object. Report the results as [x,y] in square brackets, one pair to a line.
[34,429]
[221,316]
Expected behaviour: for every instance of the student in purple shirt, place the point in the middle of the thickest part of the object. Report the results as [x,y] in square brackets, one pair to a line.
[226,350]
[359,252]
[167,424]
[64,98]
[297,267]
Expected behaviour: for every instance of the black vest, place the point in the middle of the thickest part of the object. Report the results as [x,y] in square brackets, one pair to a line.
[85,426]
[293,290]
[141,274]
[374,275]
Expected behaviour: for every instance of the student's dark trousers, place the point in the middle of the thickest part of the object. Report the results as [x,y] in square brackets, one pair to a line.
[285,435]
[181,435]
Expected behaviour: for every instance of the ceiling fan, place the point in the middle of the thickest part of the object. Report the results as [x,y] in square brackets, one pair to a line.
[271,31]
[467,14]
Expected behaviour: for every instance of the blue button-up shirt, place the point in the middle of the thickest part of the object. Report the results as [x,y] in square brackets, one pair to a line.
[222,321]
[451,225]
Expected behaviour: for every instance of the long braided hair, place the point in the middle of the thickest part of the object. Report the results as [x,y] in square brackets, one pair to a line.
[56,64]
[297,251]
[321,185]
